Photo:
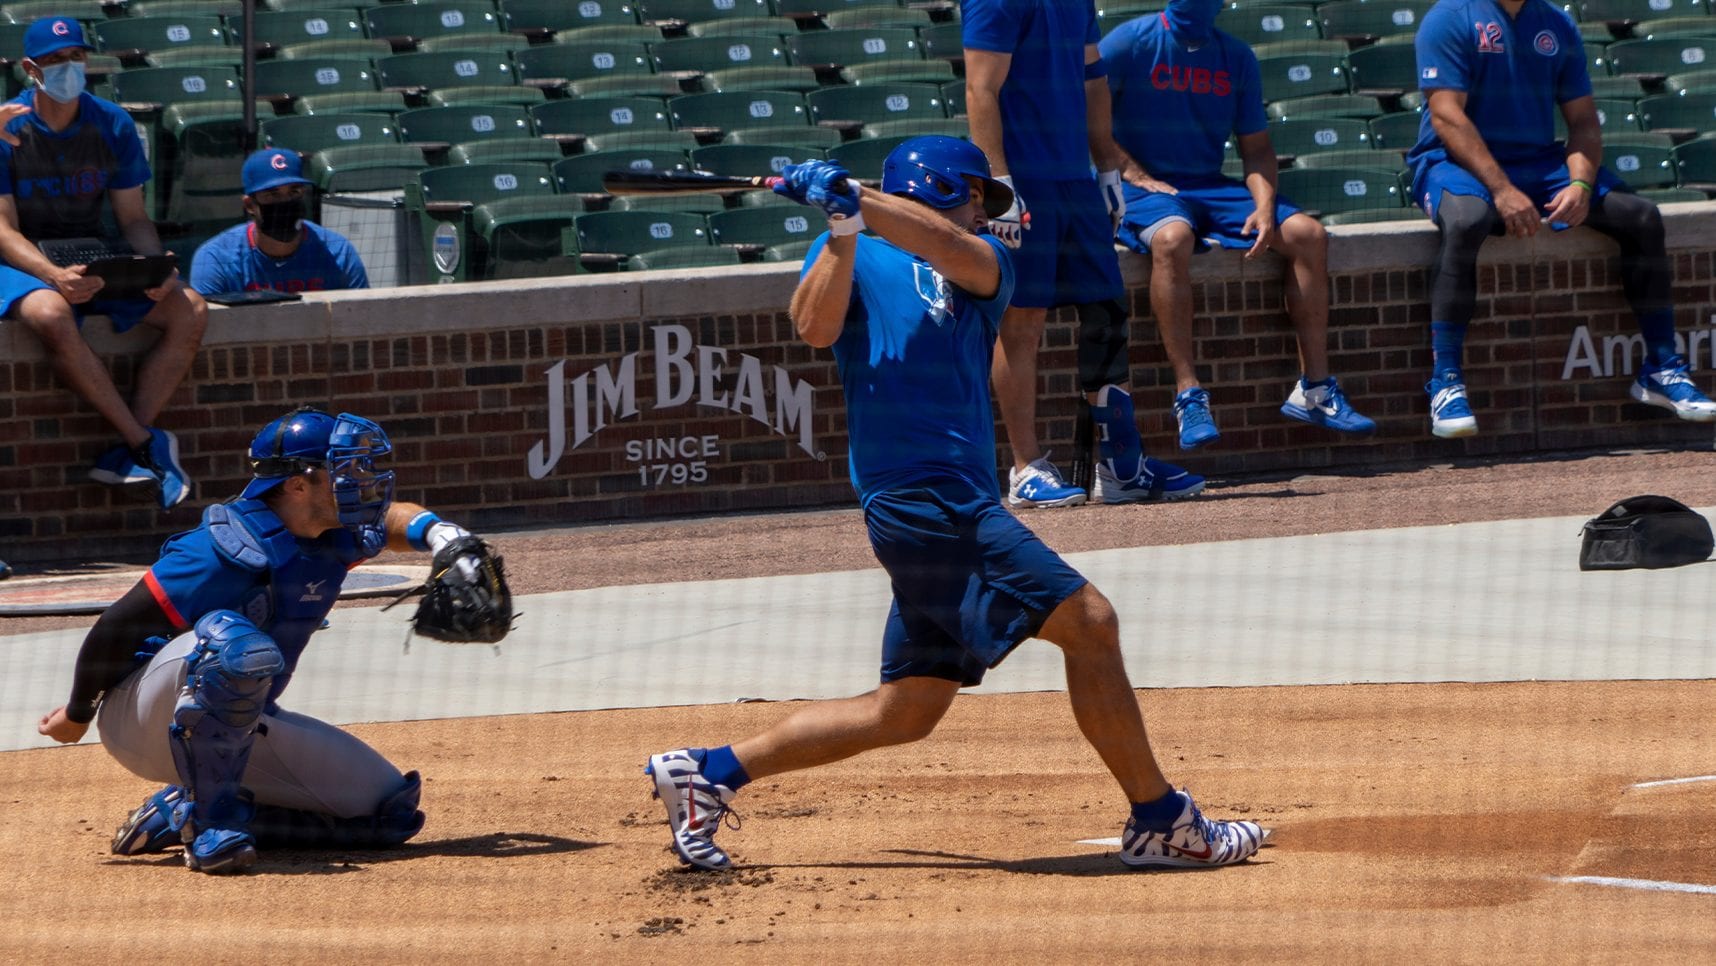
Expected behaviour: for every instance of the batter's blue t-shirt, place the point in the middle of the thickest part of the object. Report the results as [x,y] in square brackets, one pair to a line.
[914,362]
[1515,72]
[59,179]
[1043,123]
[1174,108]
[231,262]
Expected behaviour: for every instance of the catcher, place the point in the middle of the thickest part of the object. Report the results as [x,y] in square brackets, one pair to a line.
[186,670]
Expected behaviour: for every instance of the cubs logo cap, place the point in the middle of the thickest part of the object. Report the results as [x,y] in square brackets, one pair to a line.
[272,168]
[51,34]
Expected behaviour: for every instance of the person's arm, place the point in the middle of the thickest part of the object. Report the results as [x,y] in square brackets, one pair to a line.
[1466,148]
[135,224]
[1572,204]
[108,654]
[23,255]
[965,260]
[1257,154]
[410,527]
[824,293]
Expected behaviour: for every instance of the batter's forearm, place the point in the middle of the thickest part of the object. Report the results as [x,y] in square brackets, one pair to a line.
[961,257]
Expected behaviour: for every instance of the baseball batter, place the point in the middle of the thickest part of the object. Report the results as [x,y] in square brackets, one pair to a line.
[243,592]
[912,317]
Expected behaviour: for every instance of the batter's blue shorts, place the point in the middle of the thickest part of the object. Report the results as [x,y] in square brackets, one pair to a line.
[1541,181]
[125,313]
[970,581]
[1214,207]
[1067,256]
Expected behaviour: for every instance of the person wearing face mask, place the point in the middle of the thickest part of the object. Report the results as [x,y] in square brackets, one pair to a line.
[278,248]
[1181,87]
[64,155]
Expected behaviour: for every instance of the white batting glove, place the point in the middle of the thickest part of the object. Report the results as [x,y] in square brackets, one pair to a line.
[1010,227]
[1113,196]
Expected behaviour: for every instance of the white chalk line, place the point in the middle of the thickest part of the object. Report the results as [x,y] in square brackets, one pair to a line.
[1649,885]
[1676,781]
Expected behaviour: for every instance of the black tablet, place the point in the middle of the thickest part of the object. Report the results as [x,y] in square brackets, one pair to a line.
[257,296]
[127,276]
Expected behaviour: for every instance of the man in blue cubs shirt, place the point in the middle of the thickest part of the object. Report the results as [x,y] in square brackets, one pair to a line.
[1486,161]
[243,592]
[278,248]
[1181,87]
[1038,108]
[62,153]
[911,315]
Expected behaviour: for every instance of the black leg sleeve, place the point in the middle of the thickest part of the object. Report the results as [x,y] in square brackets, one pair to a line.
[1465,221]
[1101,345]
[1636,225]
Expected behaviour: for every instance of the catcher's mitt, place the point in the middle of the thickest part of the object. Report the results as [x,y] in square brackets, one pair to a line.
[466,599]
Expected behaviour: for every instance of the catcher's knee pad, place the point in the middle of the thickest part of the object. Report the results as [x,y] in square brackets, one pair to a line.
[394,822]
[214,722]
[1101,344]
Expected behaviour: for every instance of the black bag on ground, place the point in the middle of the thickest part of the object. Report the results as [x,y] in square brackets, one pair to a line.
[1645,531]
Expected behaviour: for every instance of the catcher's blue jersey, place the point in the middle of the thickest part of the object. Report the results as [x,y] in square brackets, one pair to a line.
[914,361]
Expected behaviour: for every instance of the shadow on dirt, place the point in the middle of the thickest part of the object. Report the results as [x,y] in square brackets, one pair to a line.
[495,845]
[1082,865]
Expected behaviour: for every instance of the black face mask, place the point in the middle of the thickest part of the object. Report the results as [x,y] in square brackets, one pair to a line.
[279,220]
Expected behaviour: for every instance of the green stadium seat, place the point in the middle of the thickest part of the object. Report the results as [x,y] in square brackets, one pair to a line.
[900,72]
[740,27]
[1597,58]
[1689,112]
[1294,76]
[611,33]
[765,198]
[601,115]
[704,54]
[704,204]
[232,10]
[953,127]
[698,11]
[626,85]
[1627,88]
[1675,27]
[953,95]
[474,43]
[1662,57]
[421,21]
[339,48]
[525,97]
[873,103]
[494,220]
[747,110]
[1691,82]
[1327,191]
[1669,196]
[1351,158]
[554,64]
[1597,32]
[880,15]
[804,9]
[635,232]
[1375,216]
[751,160]
[435,71]
[800,79]
[198,56]
[794,252]
[1318,134]
[1412,101]
[1633,11]
[283,28]
[1695,164]
[681,258]
[844,48]
[810,137]
[641,140]
[1286,48]
[135,36]
[1613,117]
[1269,24]
[505,150]
[296,5]
[1325,105]
[944,41]
[382,102]
[1360,19]
[1642,165]
[281,78]
[458,125]
[176,85]
[1396,131]
[562,16]
[24,11]
[582,174]
[864,156]
[1383,67]
[766,227]
[308,134]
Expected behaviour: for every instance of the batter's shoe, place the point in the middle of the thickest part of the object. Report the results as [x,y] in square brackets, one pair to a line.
[1193,842]
[1155,481]
[1039,484]
[1450,412]
[1671,388]
[1197,426]
[1325,405]
[150,828]
[695,806]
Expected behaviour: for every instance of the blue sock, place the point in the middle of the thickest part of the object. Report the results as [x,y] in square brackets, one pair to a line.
[1161,814]
[1447,345]
[1119,442]
[1658,330]
[722,767]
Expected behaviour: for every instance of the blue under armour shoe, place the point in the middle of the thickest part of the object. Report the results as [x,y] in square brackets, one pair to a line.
[1039,484]
[1671,388]
[151,827]
[1197,426]
[1450,414]
[1155,481]
[160,456]
[1325,405]
[117,467]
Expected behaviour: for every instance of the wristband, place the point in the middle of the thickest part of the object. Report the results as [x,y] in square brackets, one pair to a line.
[1589,190]
[1096,70]
[417,531]
[840,226]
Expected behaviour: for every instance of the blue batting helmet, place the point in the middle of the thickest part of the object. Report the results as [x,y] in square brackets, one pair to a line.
[933,170]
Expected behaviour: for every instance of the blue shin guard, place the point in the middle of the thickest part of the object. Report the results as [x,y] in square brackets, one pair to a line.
[214,726]
[1118,442]
[395,820]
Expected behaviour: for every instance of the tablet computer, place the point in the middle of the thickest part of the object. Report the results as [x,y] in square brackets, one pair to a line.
[128,276]
[255,296]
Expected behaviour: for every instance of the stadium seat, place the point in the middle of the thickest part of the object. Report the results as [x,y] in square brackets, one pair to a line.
[864,156]
[474,43]
[740,27]
[421,21]
[308,134]
[1691,82]
[944,41]
[498,220]
[1293,76]
[803,9]
[539,17]
[1642,165]
[1396,131]
[1327,191]
[539,150]
[1375,216]
[1351,158]
[525,97]
[1672,27]
[953,95]
[175,85]
[704,54]
[456,125]
[1669,196]
[662,259]
[747,110]
[1325,105]
[601,115]
[582,174]
[704,204]
[555,64]
[283,78]
[281,29]
[1383,68]
[383,102]
[871,103]
[1285,48]
[900,72]
[1662,57]
[751,160]
[436,71]
[296,5]
[794,252]
[1270,24]
[1695,164]
[1613,117]
[199,56]
[232,10]
[879,15]
[1361,19]
[342,48]
[1689,112]
[810,137]
[610,33]
[1633,11]
[764,199]
[1627,88]
[1318,134]
[132,37]
[635,232]
[24,11]
[698,11]
[800,79]
[766,227]
[844,48]
[641,141]
[626,85]
[953,127]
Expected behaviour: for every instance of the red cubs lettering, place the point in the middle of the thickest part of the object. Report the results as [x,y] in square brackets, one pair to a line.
[1196,80]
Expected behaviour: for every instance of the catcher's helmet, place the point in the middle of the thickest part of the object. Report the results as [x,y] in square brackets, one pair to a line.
[344,445]
[933,169]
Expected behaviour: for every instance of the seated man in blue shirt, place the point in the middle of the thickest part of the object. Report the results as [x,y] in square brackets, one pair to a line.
[277,248]
[1494,73]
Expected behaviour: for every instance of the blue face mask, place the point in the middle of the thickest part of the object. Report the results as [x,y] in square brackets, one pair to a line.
[1191,21]
[63,82]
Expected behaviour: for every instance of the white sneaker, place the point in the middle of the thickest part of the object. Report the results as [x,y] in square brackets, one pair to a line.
[1155,481]
[1671,388]
[1194,841]
[1039,484]
[695,807]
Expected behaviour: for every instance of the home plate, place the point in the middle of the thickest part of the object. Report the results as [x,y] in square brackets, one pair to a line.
[94,593]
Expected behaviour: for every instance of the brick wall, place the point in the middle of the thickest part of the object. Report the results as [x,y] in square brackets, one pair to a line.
[723,410]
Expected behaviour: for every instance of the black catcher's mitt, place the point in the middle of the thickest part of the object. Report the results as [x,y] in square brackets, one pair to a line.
[466,599]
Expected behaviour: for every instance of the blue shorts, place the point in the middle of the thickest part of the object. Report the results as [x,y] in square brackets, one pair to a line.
[970,581]
[125,313]
[1067,255]
[1541,181]
[1214,207]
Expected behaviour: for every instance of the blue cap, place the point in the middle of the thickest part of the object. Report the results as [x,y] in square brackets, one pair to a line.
[51,34]
[272,168]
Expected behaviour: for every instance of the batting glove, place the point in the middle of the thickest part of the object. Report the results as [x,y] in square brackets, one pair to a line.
[1010,227]
[1113,196]
[834,191]
[797,180]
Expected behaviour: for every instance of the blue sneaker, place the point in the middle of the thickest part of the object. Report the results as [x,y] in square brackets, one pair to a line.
[1325,405]
[1450,414]
[1155,481]
[117,467]
[1197,426]
[1040,485]
[151,827]
[160,456]
[1671,388]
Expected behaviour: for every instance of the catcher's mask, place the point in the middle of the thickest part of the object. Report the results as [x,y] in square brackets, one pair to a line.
[344,445]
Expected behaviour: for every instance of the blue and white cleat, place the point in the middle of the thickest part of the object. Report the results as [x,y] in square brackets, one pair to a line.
[117,467]
[1040,484]
[161,459]
[695,806]
[150,828]
[1325,405]
[1197,426]
[1450,412]
[1671,387]
[1155,481]
[221,851]
[1193,842]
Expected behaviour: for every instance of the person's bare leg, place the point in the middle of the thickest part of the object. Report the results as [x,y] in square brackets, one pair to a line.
[49,316]
[1305,245]
[182,318]
[1171,298]
[1014,372]
[894,714]
[1086,630]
